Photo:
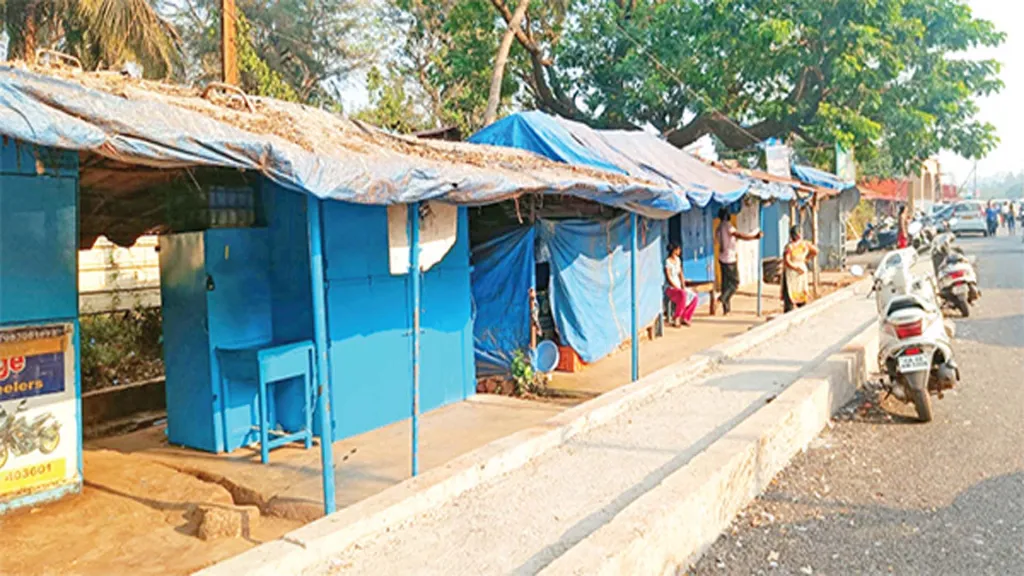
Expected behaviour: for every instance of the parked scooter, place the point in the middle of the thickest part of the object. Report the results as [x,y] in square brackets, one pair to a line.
[958,282]
[877,237]
[18,436]
[925,233]
[914,340]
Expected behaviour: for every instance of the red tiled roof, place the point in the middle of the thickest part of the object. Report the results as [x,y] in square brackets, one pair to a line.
[887,189]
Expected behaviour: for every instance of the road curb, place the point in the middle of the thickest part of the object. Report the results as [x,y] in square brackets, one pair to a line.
[669,527]
[313,543]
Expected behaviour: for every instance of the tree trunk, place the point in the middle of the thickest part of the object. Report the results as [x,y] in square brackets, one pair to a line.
[500,60]
[31,29]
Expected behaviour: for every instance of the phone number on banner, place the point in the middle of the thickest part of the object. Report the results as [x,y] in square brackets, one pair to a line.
[21,479]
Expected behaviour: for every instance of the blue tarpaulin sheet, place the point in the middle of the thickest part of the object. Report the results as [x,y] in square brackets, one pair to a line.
[811,175]
[701,182]
[300,147]
[590,288]
[771,190]
[636,153]
[503,274]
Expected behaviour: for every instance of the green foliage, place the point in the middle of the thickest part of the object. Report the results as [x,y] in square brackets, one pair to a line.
[859,73]
[120,348]
[393,108]
[100,33]
[859,218]
[305,46]
[449,50]
[257,76]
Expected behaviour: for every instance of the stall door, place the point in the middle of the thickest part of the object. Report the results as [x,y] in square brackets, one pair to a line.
[697,243]
[748,252]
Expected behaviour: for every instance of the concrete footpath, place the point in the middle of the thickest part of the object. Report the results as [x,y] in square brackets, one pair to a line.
[570,493]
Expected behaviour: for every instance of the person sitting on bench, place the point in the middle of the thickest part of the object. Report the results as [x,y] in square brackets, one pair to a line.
[684,300]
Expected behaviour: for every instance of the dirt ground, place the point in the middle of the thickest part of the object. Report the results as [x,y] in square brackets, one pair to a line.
[135,515]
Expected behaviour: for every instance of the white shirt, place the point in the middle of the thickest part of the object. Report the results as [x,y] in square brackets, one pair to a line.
[726,243]
[674,271]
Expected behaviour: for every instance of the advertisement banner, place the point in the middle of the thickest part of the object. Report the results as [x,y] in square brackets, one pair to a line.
[777,158]
[39,441]
[846,167]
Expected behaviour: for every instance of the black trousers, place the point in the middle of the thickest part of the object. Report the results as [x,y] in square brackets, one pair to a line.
[730,283]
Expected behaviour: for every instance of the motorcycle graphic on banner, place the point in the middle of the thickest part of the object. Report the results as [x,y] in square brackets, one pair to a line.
[38,431]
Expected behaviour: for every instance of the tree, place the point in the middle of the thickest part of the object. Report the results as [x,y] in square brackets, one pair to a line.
[501,59]
[393,108]
[850,71]
[100,33]
[309,46]
[449,48]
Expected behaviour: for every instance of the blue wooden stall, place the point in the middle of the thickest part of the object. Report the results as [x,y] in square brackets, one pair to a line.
[40,392]
[368,312]
[250,287]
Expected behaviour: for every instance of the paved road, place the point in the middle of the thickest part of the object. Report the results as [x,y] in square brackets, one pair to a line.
[879,494]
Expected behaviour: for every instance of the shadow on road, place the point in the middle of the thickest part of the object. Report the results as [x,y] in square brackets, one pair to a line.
[980,532]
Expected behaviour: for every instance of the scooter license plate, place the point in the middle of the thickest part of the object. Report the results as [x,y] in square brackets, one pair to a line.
[915,363]
[960,289]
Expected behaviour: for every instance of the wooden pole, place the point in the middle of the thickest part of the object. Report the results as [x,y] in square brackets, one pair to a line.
[228,37]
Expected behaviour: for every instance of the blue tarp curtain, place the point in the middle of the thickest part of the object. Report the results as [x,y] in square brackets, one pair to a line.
[503,274]
[302,148]
[590,293]
[589,287]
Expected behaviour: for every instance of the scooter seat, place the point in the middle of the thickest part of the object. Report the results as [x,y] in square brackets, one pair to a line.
[904,303]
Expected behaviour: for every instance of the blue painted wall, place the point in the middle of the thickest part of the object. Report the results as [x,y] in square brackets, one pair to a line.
[368,323]
[776,228]
[38,233]
[39,268]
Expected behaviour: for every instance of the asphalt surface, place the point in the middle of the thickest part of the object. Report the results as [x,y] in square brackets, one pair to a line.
[878,493]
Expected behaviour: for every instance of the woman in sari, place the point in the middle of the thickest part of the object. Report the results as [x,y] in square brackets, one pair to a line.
[685,301]
[794,274]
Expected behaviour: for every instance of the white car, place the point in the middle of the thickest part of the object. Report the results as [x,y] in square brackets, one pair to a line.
[970,218]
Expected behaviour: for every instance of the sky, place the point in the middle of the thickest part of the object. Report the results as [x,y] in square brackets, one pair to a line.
[1004,110]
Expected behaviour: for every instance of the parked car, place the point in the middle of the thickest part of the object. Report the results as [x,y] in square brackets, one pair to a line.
[941,212]
[970,218]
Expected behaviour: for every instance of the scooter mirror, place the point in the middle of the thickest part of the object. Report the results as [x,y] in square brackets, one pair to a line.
[915,228]
[857,270]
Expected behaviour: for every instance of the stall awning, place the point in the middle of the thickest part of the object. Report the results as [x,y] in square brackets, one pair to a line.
[635,153]
[147,125]
[820,178]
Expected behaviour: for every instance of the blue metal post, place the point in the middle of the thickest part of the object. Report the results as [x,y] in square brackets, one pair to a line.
[760,256]
[632,295]
[318,283]
[414,287]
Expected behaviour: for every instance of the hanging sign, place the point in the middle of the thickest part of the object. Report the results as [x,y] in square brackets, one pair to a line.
[39,441]
[439,224]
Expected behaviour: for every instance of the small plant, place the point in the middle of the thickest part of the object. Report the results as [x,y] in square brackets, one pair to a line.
[525,379]
[121,348]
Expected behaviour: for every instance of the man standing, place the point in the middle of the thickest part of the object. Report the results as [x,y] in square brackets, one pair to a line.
[992,218]
[728,257]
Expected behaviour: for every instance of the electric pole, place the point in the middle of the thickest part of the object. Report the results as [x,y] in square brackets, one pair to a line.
[228,55]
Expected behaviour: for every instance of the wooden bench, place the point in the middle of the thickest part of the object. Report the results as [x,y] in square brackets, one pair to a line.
[708,287]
